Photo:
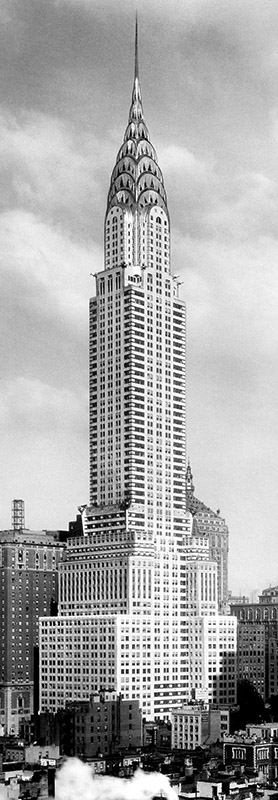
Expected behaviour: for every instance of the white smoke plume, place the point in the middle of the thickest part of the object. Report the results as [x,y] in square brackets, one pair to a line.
[75,781]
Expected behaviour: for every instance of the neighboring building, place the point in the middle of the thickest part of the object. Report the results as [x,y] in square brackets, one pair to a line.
[265,730]
[197,725]
[190,727]
[12,749]
[258,642]
[252,754]
[44,756]
[102,726]
[157,734]
[210,525]
[28,589]
[226,788]
[237,599]
[138,596]
[213,659]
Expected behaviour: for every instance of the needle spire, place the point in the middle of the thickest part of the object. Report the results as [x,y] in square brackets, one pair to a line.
[136,65]
[136,180]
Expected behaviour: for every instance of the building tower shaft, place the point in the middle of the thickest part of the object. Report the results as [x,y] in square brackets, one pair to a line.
[137,345]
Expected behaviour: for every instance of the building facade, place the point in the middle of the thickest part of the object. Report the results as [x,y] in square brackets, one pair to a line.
[28,589]
[252,753]
[211,526]
[258,642]
[197,725]
[137,591]
[99,727]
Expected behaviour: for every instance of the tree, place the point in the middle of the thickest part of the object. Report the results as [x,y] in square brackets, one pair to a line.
[251,704]
[273,703]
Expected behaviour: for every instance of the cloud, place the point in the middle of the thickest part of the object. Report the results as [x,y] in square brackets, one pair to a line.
[30,405]
[207,205]
[45,283]
[179,160]
[247,209]
[51,167]
[231,290]
[232,295]
[45,269]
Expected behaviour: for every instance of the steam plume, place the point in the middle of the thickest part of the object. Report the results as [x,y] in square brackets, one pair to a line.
[75,781]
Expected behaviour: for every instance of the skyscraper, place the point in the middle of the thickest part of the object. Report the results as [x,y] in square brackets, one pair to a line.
[136,596]
[137,346]
[28,589]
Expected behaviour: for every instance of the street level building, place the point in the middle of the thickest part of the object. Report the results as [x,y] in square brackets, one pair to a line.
[28,589]
[252,754]
[102,726]
[196,725]
[258,642]
[138,594]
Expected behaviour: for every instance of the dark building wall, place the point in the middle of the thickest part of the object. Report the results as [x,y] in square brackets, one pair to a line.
[28,586]
[47,730]
[258,643]
[130,723]
[253,756]
[98,727]
[29,573]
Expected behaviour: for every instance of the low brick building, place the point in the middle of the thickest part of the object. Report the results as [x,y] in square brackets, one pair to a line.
[252,754]
[102,725]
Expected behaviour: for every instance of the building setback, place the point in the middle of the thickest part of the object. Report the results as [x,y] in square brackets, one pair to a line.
[28,589]
[210,524]
[138,595]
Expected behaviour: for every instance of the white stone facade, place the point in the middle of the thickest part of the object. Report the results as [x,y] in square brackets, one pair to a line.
[135,592]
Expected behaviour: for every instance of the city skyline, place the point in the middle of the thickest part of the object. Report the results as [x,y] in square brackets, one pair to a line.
[215,152]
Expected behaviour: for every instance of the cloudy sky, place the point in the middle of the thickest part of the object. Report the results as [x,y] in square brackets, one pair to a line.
[209,77]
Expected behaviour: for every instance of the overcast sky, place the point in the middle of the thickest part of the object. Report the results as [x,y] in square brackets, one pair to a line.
[209,78]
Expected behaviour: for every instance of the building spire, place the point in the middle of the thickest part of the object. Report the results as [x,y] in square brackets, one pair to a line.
[136,93]
[136,65]
[137,180]
[189,479]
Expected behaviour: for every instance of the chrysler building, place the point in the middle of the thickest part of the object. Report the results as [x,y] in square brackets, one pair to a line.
[137,346]
[138,603]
